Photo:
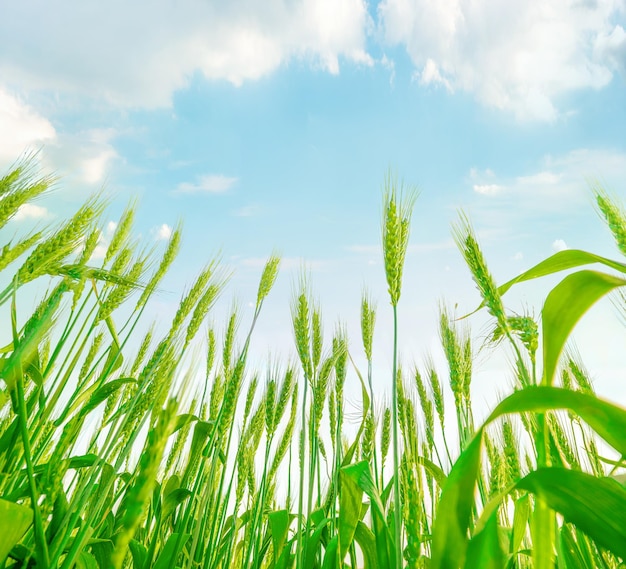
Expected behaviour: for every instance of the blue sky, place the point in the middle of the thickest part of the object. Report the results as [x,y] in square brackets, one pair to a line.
[271,125]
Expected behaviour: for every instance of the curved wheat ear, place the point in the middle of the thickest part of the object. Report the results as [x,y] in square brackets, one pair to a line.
[122,231]
[20,186]
[467,243]
[614,216]
[268,278]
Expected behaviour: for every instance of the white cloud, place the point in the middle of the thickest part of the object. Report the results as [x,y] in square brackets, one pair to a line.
[84,156]
[31,211]
[430,74]
[160,45]
[517,59]
[556,191]
[211,184]
[21,128]
[163,232]
[518,256]
[559,184]
[487,189]
[559,245]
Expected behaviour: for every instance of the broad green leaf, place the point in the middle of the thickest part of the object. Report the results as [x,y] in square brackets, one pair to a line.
[279,522]
[564,306]
[169,553]
[85,560]
[384,541]
[520,523]
[173,483]
[484,549]
[606,419]
[139,553]
[597,506]
[449,545]
[182,420]
[14,521]
[367,542]
[330,557]
[350,500]
[561,261]
[312,546]
[172,500]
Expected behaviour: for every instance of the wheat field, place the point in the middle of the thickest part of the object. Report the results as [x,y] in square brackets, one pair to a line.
[115,453]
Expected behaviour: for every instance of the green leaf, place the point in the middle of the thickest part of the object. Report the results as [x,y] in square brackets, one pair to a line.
[597,506]
[279,522]
[85,560]
[362,474]
[169,553]
[312,545]
[433,470]
[569,554]
[350,500]
[484,549]
[367,542]
[520,523]
[449,545]
[564,306]
[14,522]
[606,419]
[172,500]
[561,261]
[330,557]
[139,553]
[104,392]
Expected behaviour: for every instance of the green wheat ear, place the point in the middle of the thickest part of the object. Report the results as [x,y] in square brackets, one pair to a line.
[614,216]
[466,241]
[398,205]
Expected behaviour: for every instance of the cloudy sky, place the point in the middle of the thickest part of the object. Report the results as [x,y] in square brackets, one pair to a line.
[271,125]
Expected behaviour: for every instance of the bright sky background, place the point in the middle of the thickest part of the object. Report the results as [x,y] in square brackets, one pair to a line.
[271,125]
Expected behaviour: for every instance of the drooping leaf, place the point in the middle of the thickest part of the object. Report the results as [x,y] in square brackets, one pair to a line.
[606,419]
[172,500]
[597,506]
[564,306]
